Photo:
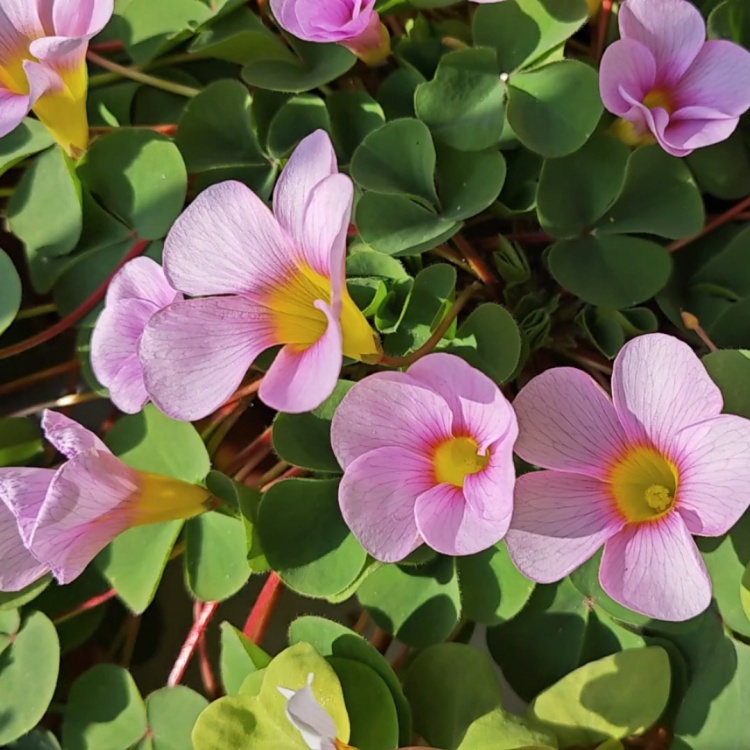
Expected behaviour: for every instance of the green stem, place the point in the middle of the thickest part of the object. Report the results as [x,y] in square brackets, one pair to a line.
[135,74]
[35,312]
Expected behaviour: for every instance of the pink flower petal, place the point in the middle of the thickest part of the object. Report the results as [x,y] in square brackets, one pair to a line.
[682,138]
[489,493]
[660,386]
[142,279]
[227,241]
[312,161]
[377,497]
[13,108]
[69,437]
[658,122]
[19,567]
[336,21]
[42,80]
[478,405]
[59,53]
[85,509]
[559,521]
[673,30]
[718,79]
[389,409]
[196,352]
[627,65]
[20,18]
[567,422]
[449,525]
[81,17]
[655,569]
[22,491]
[714,474]
[299,381]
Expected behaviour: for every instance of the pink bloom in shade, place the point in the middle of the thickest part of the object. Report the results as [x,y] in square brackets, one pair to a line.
[60,520]
[268,279]
[638,474]
[138,291]
[664,79]
[43,47]
[427,457]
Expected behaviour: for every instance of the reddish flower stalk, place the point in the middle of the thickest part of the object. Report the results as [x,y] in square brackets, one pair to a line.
[260,614]
[601,37]
[92,603]
[205,614]
[210,686]
[248,458]
[78,314]
[474,261]
[732,213]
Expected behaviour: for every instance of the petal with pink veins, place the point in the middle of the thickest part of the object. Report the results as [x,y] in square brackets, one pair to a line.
[655,569]
[67,436]
[13,108]
[489,493]
[19,567]
[559,521]
[142,279]
[84,18]
[626,65]
[377,497]
[22,491]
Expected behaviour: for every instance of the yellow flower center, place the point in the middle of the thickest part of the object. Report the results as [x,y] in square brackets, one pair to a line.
[456,458]
[644,484]
[658,98]
[166,499]
[300,324]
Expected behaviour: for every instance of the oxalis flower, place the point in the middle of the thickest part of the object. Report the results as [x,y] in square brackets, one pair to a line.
[138,291]
[427,457]
[352,23]
[59,520]
[43,47]
[313,722]
[638,474]
[281,277]
[668,83]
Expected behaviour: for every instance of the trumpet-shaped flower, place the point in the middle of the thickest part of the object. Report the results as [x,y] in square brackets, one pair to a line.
[43,47]
[313,722]
[60,520]
[638,474]
[664,79]
[268,279]
[427,457]
[351,23]
[138,291]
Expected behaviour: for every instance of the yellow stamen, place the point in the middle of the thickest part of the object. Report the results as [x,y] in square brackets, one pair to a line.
[456,458]
[625,131]
[166,499]
[300,324]
[644,484]
[658,98]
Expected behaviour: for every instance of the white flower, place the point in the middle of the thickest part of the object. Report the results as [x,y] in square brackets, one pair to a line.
[310,718]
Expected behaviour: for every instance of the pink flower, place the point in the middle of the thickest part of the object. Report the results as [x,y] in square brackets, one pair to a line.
[665,79]
[60,520]
[638,474]
[427,457]
[352,23]
[43,47]
[138,291]
[269,279]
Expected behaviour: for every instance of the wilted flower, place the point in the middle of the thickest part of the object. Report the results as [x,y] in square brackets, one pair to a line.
[665,79]
[427,457]
[136,293]
[43,47]
[351,23]
[313,722]
[281,280]
[638,474]
[60,520]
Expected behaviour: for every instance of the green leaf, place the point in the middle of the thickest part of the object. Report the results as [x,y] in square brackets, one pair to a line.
[151,441]
[576,190]
[418,605]
[554,109]
[613,272]
[730,370]
[396,93]
[659,197]
[239,657]
[500,730]
[330,638]
[397,159]
[492,589]
[354,115]
[617,696]
[464,105]
[20,441]
[171,714]
[449,686]
[104,709]
[10,624]
[724,168]
[14,599]
[523,30]
[215,558]
[37,739]
[305,439]
[28,676]
[27,139]
[602,328]
[490,340]
[140,177]
[364,263]
[48,187]
[305,538]
[10,291]
[296,119]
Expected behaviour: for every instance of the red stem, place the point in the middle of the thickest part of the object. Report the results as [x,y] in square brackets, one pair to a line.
[191,642]
[80,312]
[92,603]
[601,38]
[207,673]
[260,614]
[732,213]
